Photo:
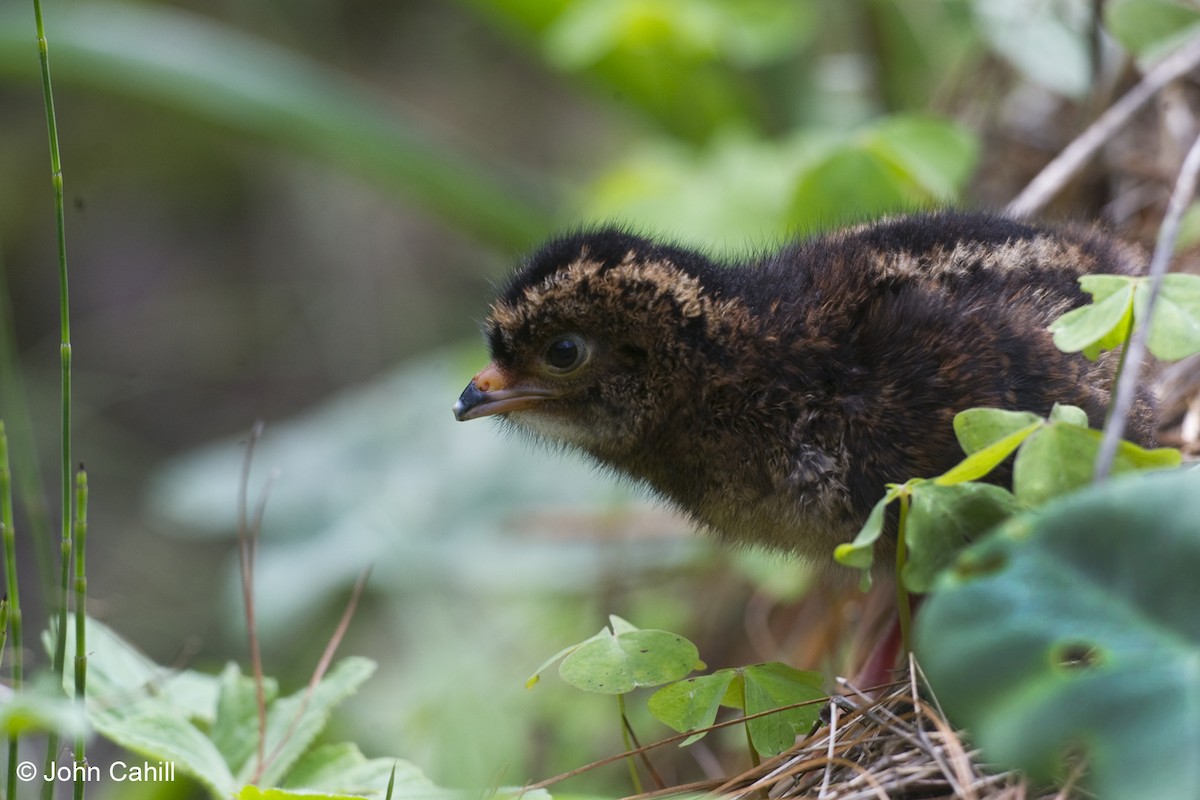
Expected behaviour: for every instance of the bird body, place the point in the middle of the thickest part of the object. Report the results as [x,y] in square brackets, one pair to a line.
[771,401]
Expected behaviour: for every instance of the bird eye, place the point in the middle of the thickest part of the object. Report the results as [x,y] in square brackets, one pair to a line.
[565,354]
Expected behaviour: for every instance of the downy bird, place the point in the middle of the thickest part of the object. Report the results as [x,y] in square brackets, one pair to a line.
[771,399]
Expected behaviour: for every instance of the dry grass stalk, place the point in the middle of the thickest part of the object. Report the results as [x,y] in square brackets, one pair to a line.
[891,746]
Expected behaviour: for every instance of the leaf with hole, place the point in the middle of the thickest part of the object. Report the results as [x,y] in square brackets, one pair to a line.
[1072,631]
[944,519]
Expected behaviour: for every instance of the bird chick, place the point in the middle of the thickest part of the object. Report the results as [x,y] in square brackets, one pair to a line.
[771,401]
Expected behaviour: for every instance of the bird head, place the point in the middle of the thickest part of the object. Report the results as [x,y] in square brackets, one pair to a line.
[597,342]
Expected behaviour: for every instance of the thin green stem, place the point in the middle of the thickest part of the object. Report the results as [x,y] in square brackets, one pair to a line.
[56,177]
[633,773]
[13,596]
[81,499]
[1108,414]
[903,601]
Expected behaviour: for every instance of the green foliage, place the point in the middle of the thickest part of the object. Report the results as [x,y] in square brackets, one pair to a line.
[1054,457]
[680,63]
[745,142]
[1066,638]
[39,708]
[900,163]
[1148,28]
[202,69]
[1046,42]
[1071,633]
[1120,301]
[619,659]
[812,180]
[692,704]
[943,519]
[208,726]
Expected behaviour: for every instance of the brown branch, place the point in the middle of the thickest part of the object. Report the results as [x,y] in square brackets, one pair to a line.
[247,548]
[1055,175]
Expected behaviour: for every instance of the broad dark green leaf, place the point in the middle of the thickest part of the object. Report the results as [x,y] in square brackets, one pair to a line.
[1073,630]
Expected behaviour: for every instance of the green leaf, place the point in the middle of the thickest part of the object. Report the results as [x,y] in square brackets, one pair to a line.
[1175,330]
[235,732]
[252,792]
[151,710]
[224,77]
[1102,324]
[943,519]
[774,685]
[1149,27]
[533,679]
[40,707]
[1073,415]
[1073,632]
[860,553]
[342,769]
[693,703]
[986,459]
[848,185]
[934,154]
[1061,458]
[619,660]
[294,722]
[1039,40]
[979,428]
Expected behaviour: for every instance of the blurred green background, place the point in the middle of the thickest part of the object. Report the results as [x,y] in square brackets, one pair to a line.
[293,211]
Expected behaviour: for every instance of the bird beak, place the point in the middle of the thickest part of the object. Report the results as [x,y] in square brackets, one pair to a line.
[491,392]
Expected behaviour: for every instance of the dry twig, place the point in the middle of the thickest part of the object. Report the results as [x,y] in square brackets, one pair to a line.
[1076,155]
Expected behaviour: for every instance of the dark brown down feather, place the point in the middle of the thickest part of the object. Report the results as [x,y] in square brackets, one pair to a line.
[772,400]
